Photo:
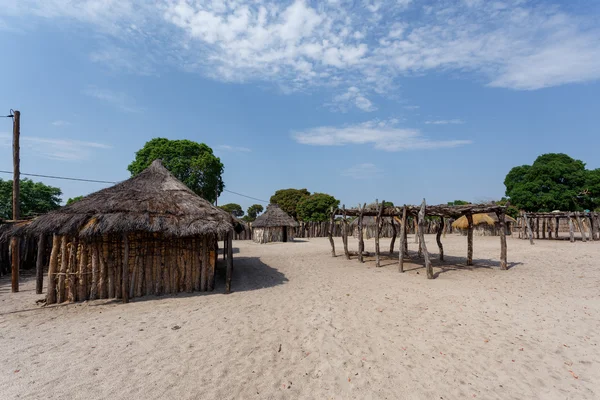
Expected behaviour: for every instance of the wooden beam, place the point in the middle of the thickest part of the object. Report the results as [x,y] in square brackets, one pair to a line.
[502,221]
[402,241]
[470,239]
[39,264]
[428,265]
[438,238]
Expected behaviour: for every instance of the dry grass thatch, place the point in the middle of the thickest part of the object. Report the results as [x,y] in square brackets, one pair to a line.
[274,216]
[153,201]
[478,219]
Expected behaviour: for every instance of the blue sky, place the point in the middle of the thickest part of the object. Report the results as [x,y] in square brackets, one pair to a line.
[396,100]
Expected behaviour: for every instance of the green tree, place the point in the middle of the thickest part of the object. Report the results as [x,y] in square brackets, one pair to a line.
[458,203]
[35,198]
[511,209]
[192,163]
[288,199]
[74,199]
[553,182]
[233,209]
[316,207]
[253,212]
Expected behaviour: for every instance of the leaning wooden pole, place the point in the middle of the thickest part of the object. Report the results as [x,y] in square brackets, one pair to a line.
[502,221]
[361,240]
[402,241]
[330,231]
[229,272]
[470,239]
[438,237]
[125,278]
[428,265]
[39,264]
[345,233]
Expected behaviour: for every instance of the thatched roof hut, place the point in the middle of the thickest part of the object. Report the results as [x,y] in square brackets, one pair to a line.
[274,225]
[484,224]
[147,235]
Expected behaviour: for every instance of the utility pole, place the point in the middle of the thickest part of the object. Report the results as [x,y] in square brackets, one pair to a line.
[14,242]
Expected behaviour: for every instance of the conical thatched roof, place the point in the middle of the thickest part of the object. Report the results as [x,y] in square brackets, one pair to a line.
[274,216]
[153,201]
[478,219]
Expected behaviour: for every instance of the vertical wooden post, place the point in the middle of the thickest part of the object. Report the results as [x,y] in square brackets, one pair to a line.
[537,228]
[103,270]
[110,264]
[361,241]
[402,241]
[64,259]
[571,234]
[210,272]
[556,227]
[416,223]
[378,223]
[394,234]
[502,221]
[470,239]
[529,232]
[52,268]
[71,271]
[439,239]
[229,272]
[39,264]
[544,227]
[345,233]
[83,260]
[16,206]
[330,232]
[550,228]
[95,271]
[428,265]
[581,228]
[125,278]
[15,257]
[204,265]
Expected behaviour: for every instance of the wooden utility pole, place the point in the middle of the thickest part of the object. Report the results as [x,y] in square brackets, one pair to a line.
[16,248]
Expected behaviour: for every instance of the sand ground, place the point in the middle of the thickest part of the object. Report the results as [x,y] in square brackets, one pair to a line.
[304,325]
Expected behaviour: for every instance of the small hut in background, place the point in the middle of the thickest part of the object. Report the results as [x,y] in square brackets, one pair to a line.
[484,224]
[370,225]
[147,235]
[274,225]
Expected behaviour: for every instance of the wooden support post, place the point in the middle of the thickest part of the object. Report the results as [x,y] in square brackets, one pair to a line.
[95,271]
[330,231]
[544,228]
[52,269]
[15,261]
[205,261]
[428,265]
[377,230]
[537,228]
[502,221]
[438,237]
[39,264]
[571,233]
[596,224]
[345,233]
[402,241]
[64,259]
[125,277]
[580,226]
[470,239]
[72,271]
[229,272]
[210,272]
[556,227]
[103,271]
[361,241]
[394,234]
[83,260]
[416,223]
[529,232]
[550,228]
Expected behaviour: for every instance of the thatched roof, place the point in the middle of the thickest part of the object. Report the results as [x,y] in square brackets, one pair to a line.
[274,216]
[489,219]
[153,201]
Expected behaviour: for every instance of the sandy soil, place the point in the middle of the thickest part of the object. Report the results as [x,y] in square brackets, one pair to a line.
[304,325]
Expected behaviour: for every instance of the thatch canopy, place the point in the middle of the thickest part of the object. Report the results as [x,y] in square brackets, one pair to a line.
[273,217]
[153,201]
[478,219]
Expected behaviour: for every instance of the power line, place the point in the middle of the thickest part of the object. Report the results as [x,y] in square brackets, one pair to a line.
[110,182]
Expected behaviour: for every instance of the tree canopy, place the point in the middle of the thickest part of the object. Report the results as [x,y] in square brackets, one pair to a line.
[288,199]
[316,207]
[253,212]
[233,209]
[192,163]
[36,198]
[458,203]
[72,200]
[554,181]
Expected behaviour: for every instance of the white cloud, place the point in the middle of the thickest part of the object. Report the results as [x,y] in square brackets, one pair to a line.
[411,108]
[60,123]
[382,135]
[363,171]
[352,97]
[371,44]
[117,99]
[236,149]
[55,148]
[445,122]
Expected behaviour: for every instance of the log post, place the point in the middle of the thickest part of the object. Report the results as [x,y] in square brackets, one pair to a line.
[39,264]
[439,239]
[544,227]
[15,262]
[537,228]
[361,241]
[125,277]
[592,221]
[110,264]
[502,221]
[52,268]
[571,233]
[83,260]
[402,241]
[470,239]
[95,271]
[580,226]
[210,272]
[345,233]
[529,232]
[330,232]
[550,228]
[556,227]
[229,272]
[378,224]
[394,234]
[72,272]
[428,265]
[64,259]
[204,264]
[103,270]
